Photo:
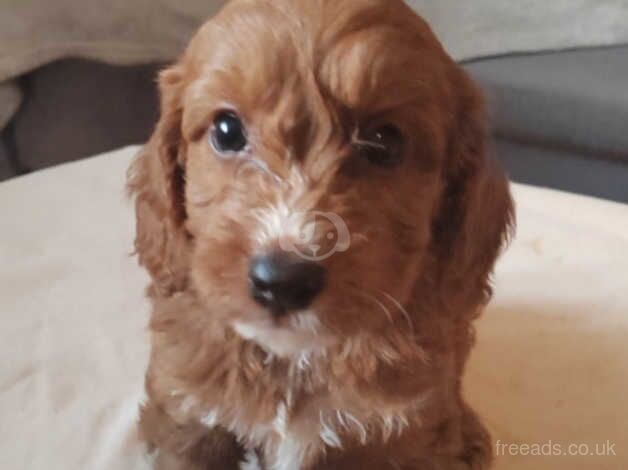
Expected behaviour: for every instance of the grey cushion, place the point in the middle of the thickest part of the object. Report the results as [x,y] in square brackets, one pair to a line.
[575,100]
[564,170]
[77,108]
[6,170]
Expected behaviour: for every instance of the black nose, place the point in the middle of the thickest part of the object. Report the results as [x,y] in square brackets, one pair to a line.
[281,281]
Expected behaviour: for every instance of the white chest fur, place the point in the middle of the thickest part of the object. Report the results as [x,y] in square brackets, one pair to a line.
[291,439]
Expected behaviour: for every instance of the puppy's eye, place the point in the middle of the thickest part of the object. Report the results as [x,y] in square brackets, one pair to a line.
[228,133]
[382,146]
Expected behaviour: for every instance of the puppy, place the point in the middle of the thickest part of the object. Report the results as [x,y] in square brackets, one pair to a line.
[319,217]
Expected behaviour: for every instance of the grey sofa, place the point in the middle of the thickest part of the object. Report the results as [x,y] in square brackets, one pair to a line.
[560,119]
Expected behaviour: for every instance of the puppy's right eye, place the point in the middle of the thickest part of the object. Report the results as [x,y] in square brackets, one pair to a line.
[228,134]
[382,146]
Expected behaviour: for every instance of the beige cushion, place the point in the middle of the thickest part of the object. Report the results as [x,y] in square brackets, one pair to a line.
[551,361]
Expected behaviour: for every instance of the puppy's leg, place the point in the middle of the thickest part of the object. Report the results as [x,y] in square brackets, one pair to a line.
[189,446]
[477,450]
[478,454]
[355,460]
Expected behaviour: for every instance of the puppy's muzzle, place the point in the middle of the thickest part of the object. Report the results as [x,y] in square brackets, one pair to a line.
[283,282]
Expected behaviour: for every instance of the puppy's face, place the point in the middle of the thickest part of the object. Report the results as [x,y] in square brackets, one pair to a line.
[315,139]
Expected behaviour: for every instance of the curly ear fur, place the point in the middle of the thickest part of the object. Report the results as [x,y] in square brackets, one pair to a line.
[476,215]
[156,180]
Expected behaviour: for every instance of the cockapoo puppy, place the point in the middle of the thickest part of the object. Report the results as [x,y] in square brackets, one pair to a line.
[319,217]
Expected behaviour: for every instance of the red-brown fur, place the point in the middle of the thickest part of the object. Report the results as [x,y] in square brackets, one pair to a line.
[395,318]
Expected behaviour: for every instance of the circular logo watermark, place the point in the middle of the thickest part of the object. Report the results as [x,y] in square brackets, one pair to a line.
[321,235]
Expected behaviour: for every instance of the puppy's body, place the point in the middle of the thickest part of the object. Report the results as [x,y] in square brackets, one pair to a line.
[367,375]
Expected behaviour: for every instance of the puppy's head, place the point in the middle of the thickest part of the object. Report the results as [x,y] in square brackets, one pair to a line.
[318,172]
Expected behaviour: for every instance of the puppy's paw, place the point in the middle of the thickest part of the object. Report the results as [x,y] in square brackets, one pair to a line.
[168,461]
[188,446]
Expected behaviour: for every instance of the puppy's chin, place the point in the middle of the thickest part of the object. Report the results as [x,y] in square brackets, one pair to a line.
[298,334]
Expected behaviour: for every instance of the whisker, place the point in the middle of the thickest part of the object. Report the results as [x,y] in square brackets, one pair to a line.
[380,304]
[257,164]
[356,140]
[400,307]
[366,143]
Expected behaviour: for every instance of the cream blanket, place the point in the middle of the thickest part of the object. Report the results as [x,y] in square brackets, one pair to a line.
[35,32]
[551,364]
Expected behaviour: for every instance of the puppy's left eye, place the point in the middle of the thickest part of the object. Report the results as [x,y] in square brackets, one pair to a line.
[382,146]
[228,133]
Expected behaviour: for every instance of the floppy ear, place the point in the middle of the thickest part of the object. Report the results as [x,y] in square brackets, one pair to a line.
[476,215]
[156,179]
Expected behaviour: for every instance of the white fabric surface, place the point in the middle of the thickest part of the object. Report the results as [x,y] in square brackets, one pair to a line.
[35,32]
[551,361]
